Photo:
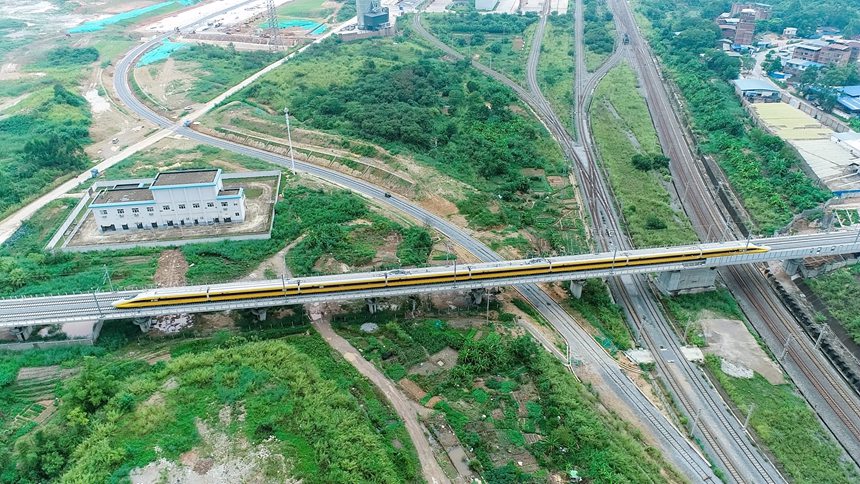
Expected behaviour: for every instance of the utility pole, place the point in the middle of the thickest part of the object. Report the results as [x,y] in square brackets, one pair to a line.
[290,139]
[107,278]
[695,421]
[821,336]
[749,414]
[785,347]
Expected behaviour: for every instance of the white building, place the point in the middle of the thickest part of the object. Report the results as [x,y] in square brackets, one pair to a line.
[172,199]
[485,4]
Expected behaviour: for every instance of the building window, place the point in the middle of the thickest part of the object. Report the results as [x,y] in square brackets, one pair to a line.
[120,211]
[135,210]
[140,225]
[235,204]
[217,220]
[228,219]
[181,206]
[170,223]
[155,225]
[237,214]
[223,204]
[125,226]
[104,212]
[195,205]
[150,209]
[166,207]
[210,204]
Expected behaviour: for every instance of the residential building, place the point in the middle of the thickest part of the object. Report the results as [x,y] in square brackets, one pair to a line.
[171,199]
[789,32]
[761,10]
[836,53]
[798,66]
[746,27]
[757,90]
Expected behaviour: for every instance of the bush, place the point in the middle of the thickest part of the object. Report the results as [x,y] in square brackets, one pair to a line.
[71,56]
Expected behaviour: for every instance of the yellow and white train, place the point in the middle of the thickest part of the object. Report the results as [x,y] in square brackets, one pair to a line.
[432,275]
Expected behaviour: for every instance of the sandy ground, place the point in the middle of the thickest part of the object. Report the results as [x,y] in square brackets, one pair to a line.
[170,272]
[169,24]
[730,339]
[167,82]
[258,211]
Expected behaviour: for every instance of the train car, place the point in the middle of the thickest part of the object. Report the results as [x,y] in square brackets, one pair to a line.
[430,275]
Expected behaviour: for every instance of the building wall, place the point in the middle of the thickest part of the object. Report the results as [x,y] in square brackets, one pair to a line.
[834,56]
[174,206]
[803,53]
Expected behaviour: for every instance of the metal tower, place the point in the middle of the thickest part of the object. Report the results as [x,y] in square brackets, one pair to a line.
[272,24]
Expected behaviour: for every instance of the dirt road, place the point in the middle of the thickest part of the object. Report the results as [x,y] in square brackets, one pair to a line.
[404,408]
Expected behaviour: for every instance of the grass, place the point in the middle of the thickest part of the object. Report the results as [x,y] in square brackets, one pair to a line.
[556,67]
[686,310]
[502,390]
[305,9]
[438,121]
[597,307]
[788,427]
[505,51]
[217,69]
[645,203]
[838,290]
[291,396]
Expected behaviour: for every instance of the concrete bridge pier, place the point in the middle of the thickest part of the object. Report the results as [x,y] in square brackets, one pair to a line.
[261,313]
[792,266]
[145,324]
[576,288]
[373,305]
[476,296]
[686,281]
[22,332]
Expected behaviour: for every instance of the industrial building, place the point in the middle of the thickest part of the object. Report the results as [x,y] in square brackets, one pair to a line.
[849,99]
[757,90]
[825,53]
[171,199]
[485,5]
[371,15]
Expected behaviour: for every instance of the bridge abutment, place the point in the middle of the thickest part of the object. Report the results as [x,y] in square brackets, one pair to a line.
[686,281]
[22,332]
[145,324]
[260,313]
[476,296]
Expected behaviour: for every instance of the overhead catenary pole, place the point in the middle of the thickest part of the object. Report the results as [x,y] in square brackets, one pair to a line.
[290,140]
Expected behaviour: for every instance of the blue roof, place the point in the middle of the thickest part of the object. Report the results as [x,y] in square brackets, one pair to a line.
[755,85]
[851,91]
[849,103]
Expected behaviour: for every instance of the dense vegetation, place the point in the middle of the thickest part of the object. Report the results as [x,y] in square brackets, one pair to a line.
[503,389]
[599,34]
[556,67]
[763,169]
[808,16]
[788,427]
[43,140]
[70,56]
[499,41]
[838,291]
[220,69]
[471,128]
[624,134]
[598,308]
[316,418]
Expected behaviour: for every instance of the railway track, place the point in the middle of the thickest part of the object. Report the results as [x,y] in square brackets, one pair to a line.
[840,412]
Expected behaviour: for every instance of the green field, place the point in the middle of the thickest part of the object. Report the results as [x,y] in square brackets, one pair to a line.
[403,98]
[285,407]
[508,401]
[645,203]
[599,33]
[556,68]
[788,427]
[837,290]
[502,42]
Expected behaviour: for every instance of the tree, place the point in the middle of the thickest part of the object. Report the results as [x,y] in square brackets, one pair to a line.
[55,151]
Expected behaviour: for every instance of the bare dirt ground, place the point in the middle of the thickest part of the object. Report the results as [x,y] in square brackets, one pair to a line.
[276,264]
[258,212]
[731,340]
[220,458]
[167,83]
[171,270]
[442,360]
[406,409]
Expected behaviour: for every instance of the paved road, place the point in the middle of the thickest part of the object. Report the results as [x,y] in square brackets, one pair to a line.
[404,407]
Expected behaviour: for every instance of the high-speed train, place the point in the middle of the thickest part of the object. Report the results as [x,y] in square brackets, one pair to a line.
[429,275]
